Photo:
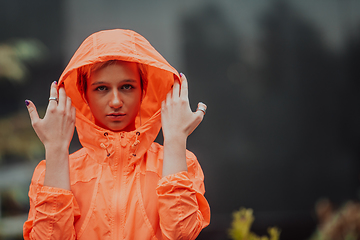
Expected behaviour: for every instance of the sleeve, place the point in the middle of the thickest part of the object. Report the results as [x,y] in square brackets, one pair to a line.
[183,209]
[53,211]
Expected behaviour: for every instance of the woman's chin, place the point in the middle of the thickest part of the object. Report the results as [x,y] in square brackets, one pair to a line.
[121,127]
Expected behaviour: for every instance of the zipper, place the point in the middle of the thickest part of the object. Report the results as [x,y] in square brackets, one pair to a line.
[120,189]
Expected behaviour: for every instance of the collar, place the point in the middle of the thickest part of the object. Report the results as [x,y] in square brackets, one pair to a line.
[102,144]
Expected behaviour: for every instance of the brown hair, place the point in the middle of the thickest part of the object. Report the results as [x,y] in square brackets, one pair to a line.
[84,73]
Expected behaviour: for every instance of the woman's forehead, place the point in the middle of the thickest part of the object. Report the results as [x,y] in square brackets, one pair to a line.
[116,72]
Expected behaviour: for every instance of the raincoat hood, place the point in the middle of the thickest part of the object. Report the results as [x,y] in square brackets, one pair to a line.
[125,45]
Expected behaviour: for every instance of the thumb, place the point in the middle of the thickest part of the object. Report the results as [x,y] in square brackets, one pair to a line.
[199,116]
[201,109]
[34,116]
[200,113]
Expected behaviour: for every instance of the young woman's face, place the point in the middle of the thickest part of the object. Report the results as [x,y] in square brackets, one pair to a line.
[114,96]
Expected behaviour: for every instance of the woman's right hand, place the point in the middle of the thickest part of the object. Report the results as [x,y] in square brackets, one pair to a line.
[56,129]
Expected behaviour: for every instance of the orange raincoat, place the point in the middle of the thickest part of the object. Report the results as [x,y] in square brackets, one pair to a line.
[117,188]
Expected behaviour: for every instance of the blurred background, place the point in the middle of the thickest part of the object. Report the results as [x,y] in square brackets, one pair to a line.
[280,78]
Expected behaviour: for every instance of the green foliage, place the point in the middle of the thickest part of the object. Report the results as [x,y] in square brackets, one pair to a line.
[241,224]
[15,54]
[17,137]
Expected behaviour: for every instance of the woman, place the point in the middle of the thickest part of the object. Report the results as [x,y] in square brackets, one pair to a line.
[120,185]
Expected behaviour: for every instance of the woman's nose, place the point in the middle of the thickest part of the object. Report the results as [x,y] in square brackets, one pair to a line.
[115,101]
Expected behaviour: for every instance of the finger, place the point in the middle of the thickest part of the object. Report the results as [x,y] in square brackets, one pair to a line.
[73,113]
[199,116]
[68,105]
[176,89]
[184,87]
[34,116]
[201,108]
[163,105]
[168,98]
[62,98]
[53,95]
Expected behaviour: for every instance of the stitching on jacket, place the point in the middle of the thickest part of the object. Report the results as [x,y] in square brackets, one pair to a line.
[39,185]
[92,205]
[134,50]
[141,204]
[78,154]
[94,42]
[38,189]
[83,157]
[112,205]
[151,171]
[52,218]
[181,214]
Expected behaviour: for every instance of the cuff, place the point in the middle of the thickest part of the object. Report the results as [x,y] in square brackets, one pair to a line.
[52,190]
[172,182]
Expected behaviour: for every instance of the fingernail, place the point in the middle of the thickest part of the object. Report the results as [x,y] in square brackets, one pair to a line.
[55,82]
[27,102]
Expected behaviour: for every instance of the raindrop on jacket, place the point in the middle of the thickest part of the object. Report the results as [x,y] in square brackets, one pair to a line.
[117,191]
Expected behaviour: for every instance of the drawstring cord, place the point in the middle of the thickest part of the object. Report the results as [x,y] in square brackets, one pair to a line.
[103,146]
[136,143]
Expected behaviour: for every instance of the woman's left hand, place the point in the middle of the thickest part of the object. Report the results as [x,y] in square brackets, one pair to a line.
[177,118]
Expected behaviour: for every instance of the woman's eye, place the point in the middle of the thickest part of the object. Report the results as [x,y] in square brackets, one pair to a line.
[101,88]
[127,87]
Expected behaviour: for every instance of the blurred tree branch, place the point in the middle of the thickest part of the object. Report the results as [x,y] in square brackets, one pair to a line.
[15,54]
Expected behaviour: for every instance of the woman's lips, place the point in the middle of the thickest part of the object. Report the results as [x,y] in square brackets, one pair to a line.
[116,116]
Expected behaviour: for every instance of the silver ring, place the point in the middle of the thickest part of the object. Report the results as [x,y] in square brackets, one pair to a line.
[203,110]
[53,98]
[202,107]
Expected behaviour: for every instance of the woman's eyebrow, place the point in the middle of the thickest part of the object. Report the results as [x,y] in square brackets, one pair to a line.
[98,83]
[123,81]
[129,80]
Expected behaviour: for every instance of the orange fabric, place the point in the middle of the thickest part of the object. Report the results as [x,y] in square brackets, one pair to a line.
[117,191]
